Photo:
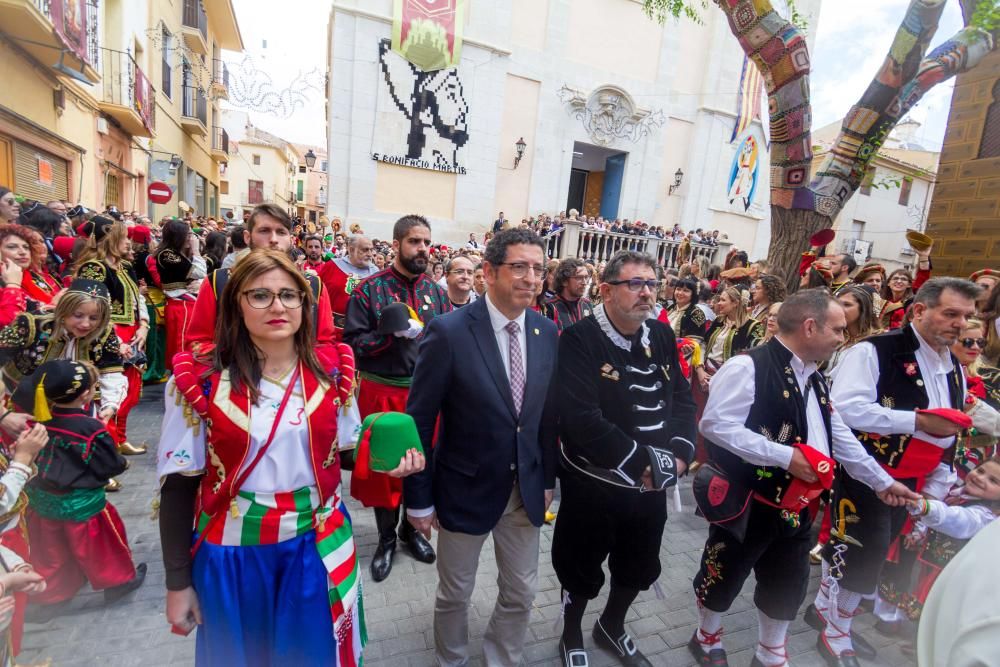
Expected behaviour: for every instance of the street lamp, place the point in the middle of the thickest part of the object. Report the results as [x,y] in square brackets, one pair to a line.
[678,179]
[519,147]
[310,158]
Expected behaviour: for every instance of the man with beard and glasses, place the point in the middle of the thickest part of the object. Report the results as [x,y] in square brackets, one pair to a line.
[267,227]
[385,360]
[342,274]
[627,423]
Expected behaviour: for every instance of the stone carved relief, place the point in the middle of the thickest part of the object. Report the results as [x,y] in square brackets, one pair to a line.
[609,113]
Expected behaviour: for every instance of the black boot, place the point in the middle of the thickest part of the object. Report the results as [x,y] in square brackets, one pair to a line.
[418,545]
[385,520]
[112,595]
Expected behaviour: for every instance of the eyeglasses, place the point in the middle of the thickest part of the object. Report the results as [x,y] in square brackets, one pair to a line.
[462,272]
[10,201]
[968,343]
[262,298]
[520,269]
[899,279]
[636,284]
[579,277]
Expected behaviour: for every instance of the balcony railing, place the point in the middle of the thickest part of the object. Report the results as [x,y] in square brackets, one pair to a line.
[80,34]
[599,245]
[126,85]
[194,16]
[220,140]
[194,103]
[220,74]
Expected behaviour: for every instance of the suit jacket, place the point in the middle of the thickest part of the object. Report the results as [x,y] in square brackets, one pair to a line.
[460,384]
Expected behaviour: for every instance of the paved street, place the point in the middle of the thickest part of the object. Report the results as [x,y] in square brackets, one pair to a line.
[399,611]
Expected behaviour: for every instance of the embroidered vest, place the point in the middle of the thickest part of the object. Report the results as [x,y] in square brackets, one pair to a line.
[779,414]
[226,415]
[901,387]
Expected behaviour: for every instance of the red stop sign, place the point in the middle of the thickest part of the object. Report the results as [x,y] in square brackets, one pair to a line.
[159,192]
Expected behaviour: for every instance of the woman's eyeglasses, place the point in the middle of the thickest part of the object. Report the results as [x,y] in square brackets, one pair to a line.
[263,298]
[969,343]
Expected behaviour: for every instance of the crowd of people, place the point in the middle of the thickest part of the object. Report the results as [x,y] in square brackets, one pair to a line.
[297,353]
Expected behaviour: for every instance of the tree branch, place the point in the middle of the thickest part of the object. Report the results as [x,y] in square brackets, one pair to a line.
[904,79]
[779,51]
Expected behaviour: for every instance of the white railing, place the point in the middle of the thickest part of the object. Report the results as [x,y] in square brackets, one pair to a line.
[575,240]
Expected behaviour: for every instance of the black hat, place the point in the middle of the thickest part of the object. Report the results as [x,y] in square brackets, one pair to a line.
[96,228]
[76,212]
[59,381]
[114,213]
[394,317]
[91,288]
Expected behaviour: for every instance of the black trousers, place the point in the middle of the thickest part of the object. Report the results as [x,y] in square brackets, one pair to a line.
[871,526]
[598,521]
[773,549]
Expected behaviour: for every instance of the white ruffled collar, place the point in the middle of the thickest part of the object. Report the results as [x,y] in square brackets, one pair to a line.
[609,330]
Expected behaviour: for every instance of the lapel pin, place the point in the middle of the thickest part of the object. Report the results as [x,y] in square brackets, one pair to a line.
[536,332]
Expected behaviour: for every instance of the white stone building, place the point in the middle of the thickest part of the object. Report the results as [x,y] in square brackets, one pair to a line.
[609,104]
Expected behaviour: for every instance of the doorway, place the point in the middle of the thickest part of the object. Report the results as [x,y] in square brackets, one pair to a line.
[595,183]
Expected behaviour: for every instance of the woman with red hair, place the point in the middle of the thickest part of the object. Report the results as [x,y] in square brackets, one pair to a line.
[25,248]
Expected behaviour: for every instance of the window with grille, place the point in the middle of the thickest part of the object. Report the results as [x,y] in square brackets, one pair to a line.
[904,191]
[112,189]
[255,192]
[165,64]
[989,145]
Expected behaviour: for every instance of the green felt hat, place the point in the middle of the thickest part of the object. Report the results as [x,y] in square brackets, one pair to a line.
[386,437]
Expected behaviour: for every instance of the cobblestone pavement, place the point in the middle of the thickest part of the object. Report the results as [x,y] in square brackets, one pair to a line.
[134,632]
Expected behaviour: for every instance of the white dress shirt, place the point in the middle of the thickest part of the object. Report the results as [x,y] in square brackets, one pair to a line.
[499,323]
[729,401]
[855,394]
[287,464]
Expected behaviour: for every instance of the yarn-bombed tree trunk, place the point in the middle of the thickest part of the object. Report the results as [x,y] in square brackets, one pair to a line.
[802,204]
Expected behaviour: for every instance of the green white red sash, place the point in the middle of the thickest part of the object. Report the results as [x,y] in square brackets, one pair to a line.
[256,518]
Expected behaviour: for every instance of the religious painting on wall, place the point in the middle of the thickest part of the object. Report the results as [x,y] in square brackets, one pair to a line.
[421,118]
[745,172]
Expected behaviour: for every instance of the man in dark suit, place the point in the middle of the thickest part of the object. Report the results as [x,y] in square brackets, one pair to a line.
[499,223]
[482,376]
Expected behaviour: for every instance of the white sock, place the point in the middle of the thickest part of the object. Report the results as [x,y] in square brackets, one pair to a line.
[886,611]
[709,632]
[822,600]
[838,622]
[771,635]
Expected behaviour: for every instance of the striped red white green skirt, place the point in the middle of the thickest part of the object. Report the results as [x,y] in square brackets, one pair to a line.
[268,565]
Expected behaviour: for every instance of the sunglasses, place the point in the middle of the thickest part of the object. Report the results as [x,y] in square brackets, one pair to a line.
[968,343]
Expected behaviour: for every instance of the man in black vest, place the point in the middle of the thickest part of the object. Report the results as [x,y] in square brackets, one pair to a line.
[882,388]
[627,424]
[773,431]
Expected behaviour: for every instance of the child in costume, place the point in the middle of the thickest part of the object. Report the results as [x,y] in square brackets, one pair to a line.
[76,534]
[943,527]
